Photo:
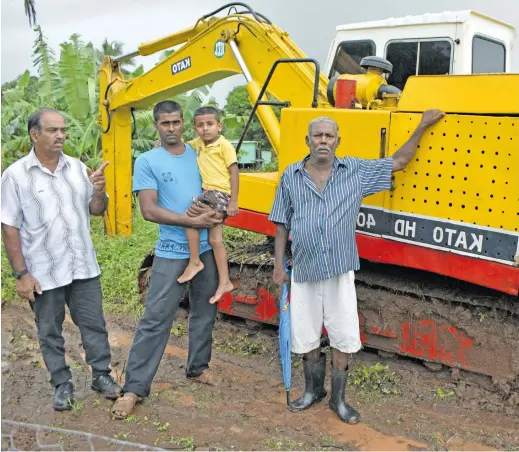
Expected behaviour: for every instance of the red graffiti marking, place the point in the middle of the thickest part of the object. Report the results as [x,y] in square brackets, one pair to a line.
[443,343]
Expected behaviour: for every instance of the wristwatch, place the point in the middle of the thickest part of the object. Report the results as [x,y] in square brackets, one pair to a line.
[19,274]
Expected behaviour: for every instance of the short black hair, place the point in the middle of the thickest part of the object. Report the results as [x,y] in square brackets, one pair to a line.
[166,106]
[34,121]
[207,111]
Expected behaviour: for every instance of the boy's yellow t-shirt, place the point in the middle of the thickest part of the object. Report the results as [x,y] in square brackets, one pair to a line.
[213,163]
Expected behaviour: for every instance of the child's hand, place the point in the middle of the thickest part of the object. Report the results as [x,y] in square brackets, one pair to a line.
[232,209]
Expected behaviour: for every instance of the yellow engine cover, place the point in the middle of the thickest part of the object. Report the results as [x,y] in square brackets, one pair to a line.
[461,191]
[466,170]
[459,194]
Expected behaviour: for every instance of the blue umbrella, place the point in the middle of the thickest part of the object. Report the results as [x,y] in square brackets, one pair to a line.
[284,336]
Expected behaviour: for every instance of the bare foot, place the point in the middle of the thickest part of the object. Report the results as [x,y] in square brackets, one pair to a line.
[222,289]
[191,270]
[125,405]
[207,377]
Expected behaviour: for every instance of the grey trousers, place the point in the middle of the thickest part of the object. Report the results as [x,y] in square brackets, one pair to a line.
[155,325]
[85,301]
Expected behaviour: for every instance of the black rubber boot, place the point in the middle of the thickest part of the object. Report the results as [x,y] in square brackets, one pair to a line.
[63,396]
[345,412]
[314,384]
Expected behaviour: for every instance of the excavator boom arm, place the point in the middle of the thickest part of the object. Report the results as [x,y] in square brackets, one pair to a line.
[213,49]
[207,55]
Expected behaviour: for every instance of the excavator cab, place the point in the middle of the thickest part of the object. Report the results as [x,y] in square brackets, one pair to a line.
[452,42]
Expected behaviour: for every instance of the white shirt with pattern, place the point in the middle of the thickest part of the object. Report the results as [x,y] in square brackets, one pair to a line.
[52,213]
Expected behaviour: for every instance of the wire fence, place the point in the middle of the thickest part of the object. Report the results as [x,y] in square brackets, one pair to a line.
[35,437]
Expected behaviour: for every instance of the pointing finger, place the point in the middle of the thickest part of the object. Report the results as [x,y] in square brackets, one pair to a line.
[102,167]
[99,171]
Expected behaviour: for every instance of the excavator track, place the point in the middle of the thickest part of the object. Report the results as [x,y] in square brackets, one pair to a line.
[403,311]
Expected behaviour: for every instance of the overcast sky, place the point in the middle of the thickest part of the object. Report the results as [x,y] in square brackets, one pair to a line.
[311,24]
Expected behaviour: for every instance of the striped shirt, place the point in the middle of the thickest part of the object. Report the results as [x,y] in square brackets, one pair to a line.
[52,213]
[322,225]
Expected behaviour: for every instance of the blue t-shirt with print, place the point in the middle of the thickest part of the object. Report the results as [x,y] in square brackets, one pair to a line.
[177,180]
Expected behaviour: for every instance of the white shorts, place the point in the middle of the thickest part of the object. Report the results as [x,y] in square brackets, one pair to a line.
[332,302]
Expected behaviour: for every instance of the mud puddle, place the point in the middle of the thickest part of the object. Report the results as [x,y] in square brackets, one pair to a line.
[247,411]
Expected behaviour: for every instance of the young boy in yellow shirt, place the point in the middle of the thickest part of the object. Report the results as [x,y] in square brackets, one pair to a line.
[218,166]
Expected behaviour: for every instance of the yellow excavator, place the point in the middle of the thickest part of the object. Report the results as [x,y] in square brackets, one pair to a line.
[439,276]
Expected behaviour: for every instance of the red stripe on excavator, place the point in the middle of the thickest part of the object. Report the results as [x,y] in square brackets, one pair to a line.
[493,275]
[252,221]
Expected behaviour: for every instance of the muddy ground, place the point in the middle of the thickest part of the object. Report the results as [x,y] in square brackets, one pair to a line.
[404,406]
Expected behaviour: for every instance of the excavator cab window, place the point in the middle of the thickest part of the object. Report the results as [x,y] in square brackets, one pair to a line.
[348,57]
[488,56]
[430,57]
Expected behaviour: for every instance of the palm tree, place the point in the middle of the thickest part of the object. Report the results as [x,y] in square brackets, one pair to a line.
[115,49]
[30,11]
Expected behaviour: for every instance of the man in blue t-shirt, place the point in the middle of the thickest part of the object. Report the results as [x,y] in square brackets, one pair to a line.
[166,180]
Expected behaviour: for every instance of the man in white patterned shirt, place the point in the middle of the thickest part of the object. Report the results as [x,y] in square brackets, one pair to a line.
[47,200]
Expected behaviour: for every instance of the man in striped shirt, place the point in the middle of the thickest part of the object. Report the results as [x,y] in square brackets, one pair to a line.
[47,200]
[317,202]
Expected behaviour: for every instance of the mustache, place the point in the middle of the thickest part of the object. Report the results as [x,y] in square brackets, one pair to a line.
[323,148]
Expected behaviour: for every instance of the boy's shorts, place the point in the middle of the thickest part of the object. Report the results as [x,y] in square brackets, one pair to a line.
[216,199]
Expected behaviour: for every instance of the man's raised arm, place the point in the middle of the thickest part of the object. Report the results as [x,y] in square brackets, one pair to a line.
[406,153]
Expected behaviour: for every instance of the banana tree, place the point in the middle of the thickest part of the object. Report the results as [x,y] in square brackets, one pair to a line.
[77,96]
[44,61]
[70,84]
[15,112]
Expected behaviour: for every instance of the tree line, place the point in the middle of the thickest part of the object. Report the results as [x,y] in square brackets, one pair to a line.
[69,83]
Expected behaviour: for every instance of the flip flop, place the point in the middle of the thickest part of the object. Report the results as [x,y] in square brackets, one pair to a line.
[125,404]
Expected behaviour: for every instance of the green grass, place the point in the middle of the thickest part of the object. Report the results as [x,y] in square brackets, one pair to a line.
[282,444]
[375,380]
[77,405]
[120,259]
[180,328]
[161,427]
[240,235]
[8,281]
[242,344]
[187,442]
[443,394]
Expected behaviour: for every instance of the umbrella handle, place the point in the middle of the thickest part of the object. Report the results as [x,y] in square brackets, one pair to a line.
[288,397]
[287,270]
[285,265]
